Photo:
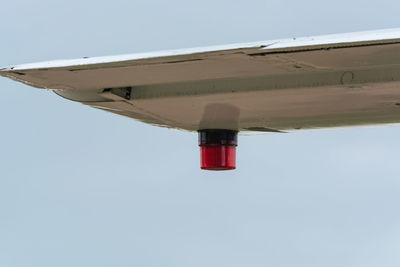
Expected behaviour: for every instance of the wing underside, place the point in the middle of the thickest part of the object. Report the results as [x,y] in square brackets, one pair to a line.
[328,81]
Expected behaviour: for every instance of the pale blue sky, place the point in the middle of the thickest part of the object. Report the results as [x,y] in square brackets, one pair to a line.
[82,187]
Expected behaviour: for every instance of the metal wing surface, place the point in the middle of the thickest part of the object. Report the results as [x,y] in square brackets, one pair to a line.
[279,85]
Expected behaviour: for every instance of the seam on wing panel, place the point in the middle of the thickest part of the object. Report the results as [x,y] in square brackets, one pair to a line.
[295,49]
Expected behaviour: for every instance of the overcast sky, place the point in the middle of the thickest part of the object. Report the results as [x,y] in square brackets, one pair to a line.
[82,187]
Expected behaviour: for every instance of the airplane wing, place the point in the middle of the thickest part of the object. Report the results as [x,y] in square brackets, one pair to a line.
[279,85]
[299,83]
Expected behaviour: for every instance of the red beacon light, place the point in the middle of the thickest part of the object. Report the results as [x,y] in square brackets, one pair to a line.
[218,149]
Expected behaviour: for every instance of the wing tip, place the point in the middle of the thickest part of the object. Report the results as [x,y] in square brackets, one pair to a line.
[9,68]
[3,71]
[11,73]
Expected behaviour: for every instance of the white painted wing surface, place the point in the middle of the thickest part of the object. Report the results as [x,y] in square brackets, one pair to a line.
[299,83]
